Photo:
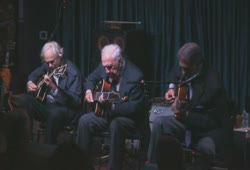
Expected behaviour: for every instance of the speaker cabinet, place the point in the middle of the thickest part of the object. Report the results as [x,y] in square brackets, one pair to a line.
[102,38]
[241,148]
[134,45]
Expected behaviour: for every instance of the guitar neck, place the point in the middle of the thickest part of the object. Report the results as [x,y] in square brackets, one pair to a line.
[58,71]
[108,96]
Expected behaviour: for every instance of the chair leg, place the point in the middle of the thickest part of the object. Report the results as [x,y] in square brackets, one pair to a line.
[100,150]
[133,154]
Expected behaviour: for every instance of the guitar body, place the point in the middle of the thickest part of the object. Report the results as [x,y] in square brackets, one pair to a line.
[5,103]
[42,93]
[102,86]
[181,103]
[42,88]
[5,75]
[182,93]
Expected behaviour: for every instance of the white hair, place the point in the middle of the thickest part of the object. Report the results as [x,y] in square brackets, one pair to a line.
[112,50]
[54,46]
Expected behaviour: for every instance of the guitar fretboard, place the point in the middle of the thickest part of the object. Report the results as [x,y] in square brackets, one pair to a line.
[109,96]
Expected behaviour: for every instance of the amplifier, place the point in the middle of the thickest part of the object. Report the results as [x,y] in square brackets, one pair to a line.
[159,109]
[242,148]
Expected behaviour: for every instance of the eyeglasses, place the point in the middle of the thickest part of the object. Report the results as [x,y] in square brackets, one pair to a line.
[109,67]
[51,61]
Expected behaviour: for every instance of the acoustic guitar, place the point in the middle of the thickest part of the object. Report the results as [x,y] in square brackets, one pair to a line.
[102,89]
[182,101]
[5,74]
[41,86]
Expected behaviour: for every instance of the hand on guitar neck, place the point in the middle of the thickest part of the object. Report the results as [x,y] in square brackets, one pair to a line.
[50,82]
[103,97]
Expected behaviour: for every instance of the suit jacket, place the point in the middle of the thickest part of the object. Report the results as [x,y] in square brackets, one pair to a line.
[69,84]
[133,107]
[208,114]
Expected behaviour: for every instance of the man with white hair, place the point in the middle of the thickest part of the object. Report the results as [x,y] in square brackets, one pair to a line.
[57,91]
[121,116]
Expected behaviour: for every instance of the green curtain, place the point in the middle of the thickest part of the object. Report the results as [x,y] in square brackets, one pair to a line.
[221,27]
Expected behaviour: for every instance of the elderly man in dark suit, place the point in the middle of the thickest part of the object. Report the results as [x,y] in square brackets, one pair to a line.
[55,91]
[54,97]
[120,117]
[200,112]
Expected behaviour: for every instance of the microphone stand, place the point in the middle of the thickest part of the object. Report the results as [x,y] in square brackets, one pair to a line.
[148,82]
[61,6]
[145,87]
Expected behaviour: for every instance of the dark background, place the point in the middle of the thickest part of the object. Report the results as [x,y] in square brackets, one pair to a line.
[220,27]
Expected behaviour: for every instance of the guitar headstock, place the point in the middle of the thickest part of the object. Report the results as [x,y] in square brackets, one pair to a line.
[9,47]
[60,70]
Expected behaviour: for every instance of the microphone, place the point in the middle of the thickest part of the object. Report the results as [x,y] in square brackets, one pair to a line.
[135,82]
[148,82]
[190,79]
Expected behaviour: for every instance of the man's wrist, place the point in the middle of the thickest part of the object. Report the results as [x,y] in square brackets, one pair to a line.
[171,86]
[29,82]
[112,106]
[88,91]
[54,92]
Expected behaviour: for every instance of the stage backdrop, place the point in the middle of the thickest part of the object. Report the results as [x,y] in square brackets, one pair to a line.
[220,27]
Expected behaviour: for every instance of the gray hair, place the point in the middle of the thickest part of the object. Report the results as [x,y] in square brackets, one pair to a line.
[191,53]
[112,50]
[54,46]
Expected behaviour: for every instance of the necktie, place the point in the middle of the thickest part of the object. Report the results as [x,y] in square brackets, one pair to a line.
[113,86]
[188,134]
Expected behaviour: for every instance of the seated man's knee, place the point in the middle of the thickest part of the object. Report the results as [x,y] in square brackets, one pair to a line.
[24,100]
[159,121]
[114,124]
[83,120]
[206,146]
[55,116]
